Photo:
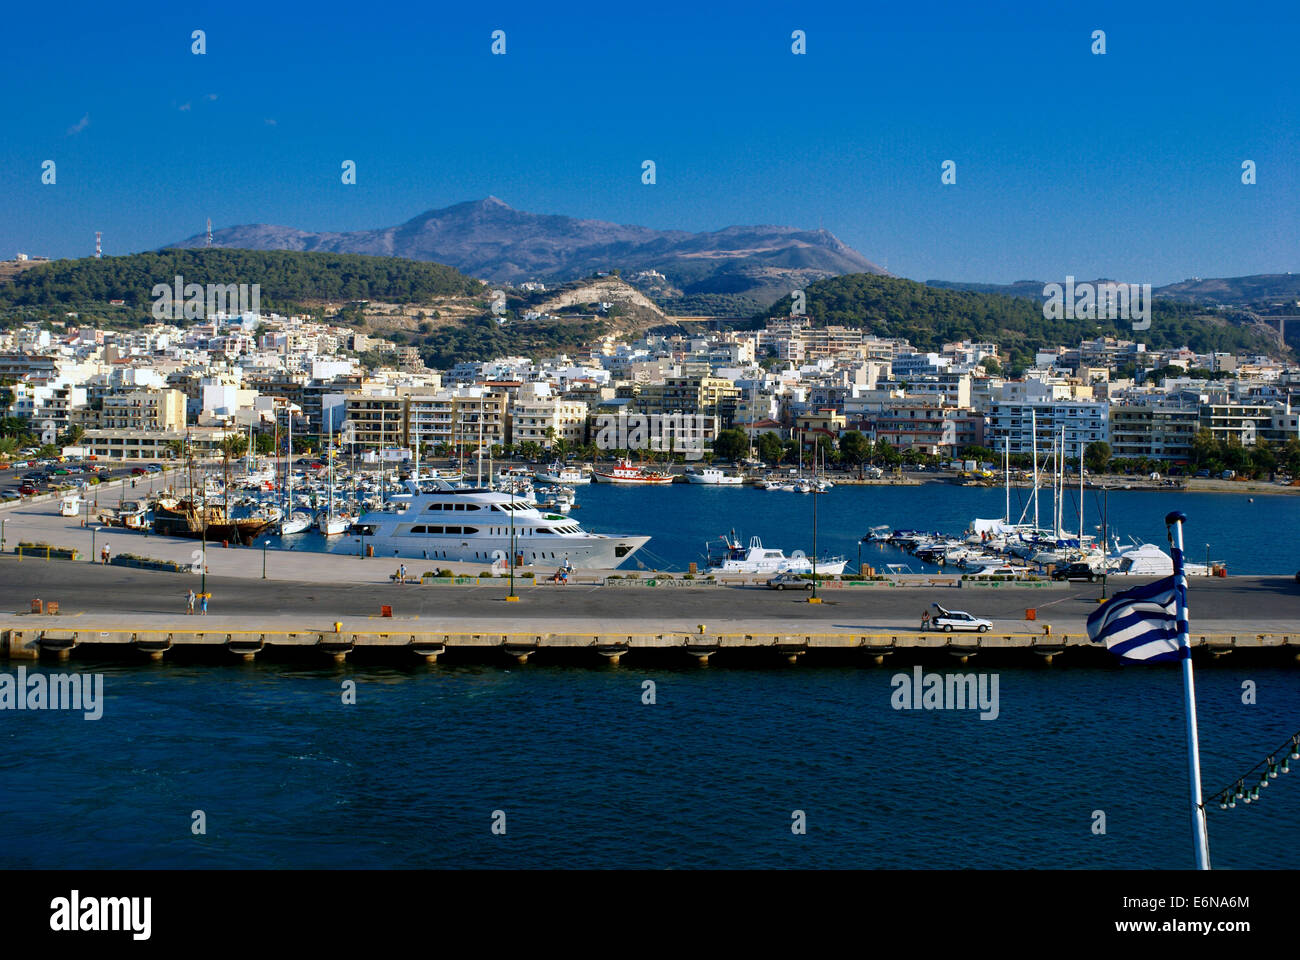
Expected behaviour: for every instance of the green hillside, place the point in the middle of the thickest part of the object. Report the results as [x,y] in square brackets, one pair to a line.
[930,316]
[285,278]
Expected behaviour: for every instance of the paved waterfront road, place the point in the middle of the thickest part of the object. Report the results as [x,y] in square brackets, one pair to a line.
[87,589]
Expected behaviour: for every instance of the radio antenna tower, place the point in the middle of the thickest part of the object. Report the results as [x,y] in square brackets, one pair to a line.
[209,231]
[99,247]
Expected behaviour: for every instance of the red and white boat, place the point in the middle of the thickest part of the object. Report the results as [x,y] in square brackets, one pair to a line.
[625,472]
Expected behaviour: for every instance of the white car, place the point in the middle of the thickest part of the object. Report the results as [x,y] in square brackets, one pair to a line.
[950,620]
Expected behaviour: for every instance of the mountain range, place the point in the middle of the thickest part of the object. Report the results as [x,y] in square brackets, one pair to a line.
[489,239]
[1267,292]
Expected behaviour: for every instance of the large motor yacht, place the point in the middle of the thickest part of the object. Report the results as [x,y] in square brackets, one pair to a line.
[435,521]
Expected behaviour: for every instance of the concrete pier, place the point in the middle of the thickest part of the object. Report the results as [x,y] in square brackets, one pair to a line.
[37,640]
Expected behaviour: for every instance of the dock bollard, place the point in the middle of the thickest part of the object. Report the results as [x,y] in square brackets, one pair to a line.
[338,626]
[701,627]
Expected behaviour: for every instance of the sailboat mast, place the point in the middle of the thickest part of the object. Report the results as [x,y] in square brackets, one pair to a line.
[1081,494]
[1033,430]
[1006,475]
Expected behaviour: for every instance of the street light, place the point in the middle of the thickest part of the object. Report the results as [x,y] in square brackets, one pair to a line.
[265,544]
[1207,559]
[3,521]
[815,495]
[512,556]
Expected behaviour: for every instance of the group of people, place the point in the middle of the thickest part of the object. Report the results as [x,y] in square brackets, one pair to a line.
[202,598]
[562,574]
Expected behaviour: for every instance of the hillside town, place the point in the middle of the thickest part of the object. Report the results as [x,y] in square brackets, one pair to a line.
[148,393]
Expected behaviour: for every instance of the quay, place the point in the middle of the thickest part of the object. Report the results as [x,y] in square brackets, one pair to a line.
[129,613]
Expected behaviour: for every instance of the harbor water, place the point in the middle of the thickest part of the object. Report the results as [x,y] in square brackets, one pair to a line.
[586,774]
[1251,535]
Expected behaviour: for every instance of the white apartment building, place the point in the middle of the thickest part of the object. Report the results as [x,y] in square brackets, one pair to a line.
[1084,422]
[542,416]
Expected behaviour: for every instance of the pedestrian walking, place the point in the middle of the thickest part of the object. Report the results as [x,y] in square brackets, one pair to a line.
[189,602]
[103,554]
[205,604]
[402,572]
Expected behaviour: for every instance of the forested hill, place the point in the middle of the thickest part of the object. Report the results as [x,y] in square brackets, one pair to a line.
[930,317]
[286,278]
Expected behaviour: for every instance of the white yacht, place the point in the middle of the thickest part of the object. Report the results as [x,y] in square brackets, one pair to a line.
[712,475]
[435,521]
[760,559]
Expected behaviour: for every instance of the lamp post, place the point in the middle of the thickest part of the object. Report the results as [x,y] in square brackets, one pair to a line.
[265,544]
[1207,559]
[3,521]
[203,573]
[512,543]
[1105,543]
[815,495]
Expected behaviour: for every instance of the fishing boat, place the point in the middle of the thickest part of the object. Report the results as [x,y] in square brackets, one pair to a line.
[557,472]
[712,475]
[174,517]
[625,472]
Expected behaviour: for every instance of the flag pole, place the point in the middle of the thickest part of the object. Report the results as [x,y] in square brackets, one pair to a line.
[1174,523]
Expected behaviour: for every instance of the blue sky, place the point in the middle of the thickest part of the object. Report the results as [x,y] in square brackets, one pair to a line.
[1126,165]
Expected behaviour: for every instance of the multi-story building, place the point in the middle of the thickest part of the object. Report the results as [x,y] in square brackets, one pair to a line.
[136,410]
[129,444]
[457,417]
[924,424]
[1083,421]
[812,426]
[539,416]
[696,393]
[1246,421]
[1157,430]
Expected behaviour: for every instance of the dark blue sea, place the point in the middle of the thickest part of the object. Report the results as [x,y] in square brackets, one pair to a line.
[1251,534]
[587,775]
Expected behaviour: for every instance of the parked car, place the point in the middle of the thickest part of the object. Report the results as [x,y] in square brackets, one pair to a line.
[154,468]
[27,489]
[792,580]
[1203,474]
[950,620]
[137,471]
[1075,571]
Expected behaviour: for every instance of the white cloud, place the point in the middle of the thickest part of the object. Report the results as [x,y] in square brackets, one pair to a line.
[80,125]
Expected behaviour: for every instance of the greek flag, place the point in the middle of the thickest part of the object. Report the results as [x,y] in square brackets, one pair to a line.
[1142,623]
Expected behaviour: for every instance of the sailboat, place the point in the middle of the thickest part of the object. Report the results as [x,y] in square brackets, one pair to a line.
[328,523]
[294,521]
